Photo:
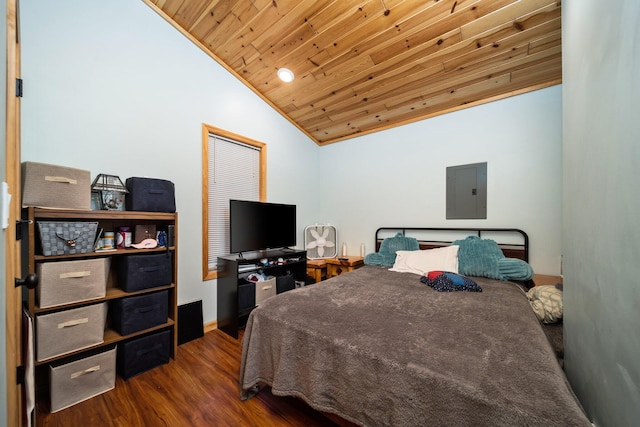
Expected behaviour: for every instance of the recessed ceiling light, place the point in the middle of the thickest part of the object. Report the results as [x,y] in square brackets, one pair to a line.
[285,74]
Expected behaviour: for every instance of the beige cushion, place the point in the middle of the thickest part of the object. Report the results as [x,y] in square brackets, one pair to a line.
[546,302]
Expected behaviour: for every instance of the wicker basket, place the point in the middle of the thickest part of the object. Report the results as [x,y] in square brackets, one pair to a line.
[62,238]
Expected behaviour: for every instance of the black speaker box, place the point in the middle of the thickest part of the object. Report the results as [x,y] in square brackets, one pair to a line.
[190,324]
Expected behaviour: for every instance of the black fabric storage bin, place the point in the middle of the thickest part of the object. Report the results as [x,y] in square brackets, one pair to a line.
[143,354]
[285,283]
[138,272]
[246,297]
[134,314]
[150,195]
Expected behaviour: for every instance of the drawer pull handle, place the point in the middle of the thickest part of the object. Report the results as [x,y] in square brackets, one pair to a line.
[75,274]
[85,372]
[73,323]
[62,179]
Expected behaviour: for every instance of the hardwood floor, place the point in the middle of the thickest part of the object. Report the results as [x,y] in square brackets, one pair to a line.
[198,388]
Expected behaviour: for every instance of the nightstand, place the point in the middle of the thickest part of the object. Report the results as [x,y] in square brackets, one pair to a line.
[336,266]
[317,268]
[541,279]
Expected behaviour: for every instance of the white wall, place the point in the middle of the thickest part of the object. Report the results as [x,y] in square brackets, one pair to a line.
[398,177]
[601,95]
[112,87]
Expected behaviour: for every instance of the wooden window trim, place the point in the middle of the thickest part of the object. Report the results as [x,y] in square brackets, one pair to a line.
[206,131]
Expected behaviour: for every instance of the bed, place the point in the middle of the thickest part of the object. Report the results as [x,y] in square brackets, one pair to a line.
[381,348]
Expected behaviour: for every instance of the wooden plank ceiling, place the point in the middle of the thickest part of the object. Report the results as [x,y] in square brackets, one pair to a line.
[366,65]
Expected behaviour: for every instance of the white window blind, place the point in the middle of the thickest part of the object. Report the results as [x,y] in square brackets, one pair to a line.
[234,173]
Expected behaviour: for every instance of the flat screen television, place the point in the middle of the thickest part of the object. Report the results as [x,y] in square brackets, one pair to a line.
[255,226]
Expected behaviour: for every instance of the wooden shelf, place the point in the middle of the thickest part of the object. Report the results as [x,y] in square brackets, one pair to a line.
[101,254]
[110,337]
[112,293]
[107,220]
[101,214]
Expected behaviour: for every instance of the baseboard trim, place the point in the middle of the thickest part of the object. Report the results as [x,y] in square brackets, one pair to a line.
[208,327]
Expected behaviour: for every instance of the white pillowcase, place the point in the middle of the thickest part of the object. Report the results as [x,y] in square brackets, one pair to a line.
[424,261]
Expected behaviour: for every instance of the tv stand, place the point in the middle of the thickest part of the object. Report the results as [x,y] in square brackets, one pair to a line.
[233,271]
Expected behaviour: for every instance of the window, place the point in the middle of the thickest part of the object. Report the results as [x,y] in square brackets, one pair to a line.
[233,167]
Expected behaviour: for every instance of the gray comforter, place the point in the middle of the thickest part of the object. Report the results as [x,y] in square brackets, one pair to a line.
[380,348]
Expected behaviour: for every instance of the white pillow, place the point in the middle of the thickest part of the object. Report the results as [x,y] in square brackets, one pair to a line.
[424,261]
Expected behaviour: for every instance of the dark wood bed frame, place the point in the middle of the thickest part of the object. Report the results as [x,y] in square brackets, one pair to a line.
[513,241]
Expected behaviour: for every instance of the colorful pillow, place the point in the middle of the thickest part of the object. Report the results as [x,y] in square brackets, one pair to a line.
[445,281]
[423,261]
[386,256]
[546,302]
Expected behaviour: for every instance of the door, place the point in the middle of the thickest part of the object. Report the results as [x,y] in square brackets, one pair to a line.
[13,341]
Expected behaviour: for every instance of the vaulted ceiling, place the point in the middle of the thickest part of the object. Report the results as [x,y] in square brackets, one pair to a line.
[366,65]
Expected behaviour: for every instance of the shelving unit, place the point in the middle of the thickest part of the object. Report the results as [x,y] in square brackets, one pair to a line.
[107,220]
[233,271]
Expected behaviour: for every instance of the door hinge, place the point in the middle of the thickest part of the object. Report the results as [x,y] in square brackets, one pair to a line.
[19,88]
[20,225]
[20,373]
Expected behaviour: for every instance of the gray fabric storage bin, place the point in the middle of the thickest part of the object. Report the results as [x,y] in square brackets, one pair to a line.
[265,289]
[65,282]
[144,271]
[246,297]
[137,313]
[64,237]
[53,186]
[70,330]
[285,283]
[143,354]
[77,381]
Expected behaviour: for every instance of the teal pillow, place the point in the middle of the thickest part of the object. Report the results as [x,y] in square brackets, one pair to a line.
[386,256]
[376,258]
[479,257]
[515,269]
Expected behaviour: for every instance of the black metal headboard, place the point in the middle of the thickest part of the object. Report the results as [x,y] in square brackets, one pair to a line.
[513,241]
